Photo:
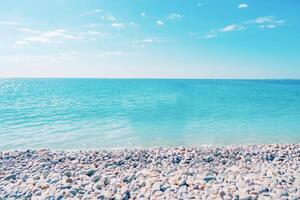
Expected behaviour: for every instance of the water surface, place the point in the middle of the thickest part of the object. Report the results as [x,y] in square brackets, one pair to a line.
[126,113]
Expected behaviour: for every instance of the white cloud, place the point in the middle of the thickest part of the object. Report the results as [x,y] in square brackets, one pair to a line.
[262,20]
[118,25]
[58,33]
[28,30]
[92,25]
[160,23]
[232,27]
[110,18]
[21,43]
[92,12]
[146,41]
[143,14]
[199,4]
[139,45]
[95,33]
[243,5]
[266,22]
[47,37]
[174,16]
[151,40]
[270,26]
[209,36]
[9,23]
[113,53]
[133,25]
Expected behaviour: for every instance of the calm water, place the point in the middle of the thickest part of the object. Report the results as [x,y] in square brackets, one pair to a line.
[99,113]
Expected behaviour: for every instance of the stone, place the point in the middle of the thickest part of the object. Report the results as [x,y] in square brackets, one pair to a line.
[67,173]
[44,186]
[45,173]
[90,172]
[95,178]
[73,192]
[156,186]
[264,189]
[106,181]
[10,177]
[209,178]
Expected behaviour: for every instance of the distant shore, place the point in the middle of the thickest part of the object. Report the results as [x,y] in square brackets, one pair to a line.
[232,172]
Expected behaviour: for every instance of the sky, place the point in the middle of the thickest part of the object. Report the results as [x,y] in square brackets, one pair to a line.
[150,38]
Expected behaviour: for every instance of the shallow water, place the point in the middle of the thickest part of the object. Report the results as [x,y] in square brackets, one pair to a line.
[125,113]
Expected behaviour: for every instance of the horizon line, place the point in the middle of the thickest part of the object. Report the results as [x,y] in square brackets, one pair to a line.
[152,78]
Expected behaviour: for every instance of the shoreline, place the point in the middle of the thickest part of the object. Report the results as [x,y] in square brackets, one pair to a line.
[226,172]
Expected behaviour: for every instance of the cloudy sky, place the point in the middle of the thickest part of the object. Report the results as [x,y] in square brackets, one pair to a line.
[150,38]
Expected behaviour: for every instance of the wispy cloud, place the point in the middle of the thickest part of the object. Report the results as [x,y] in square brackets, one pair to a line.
[47,37]
[9,23]
[199,4]
[174,16]
[95,33]
[92,25]
[210,35]
[243,5]
[91,12]
[28,30]
[117,25]
[143,14]
[151,40]
[232,27]
[146,41]
[160,23]
[21,43]
[113,53]
[109,17]
[265,22]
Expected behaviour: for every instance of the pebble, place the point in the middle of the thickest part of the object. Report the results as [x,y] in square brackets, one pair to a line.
[209,178]
[95,178]
[10,176]
[232,172]
[90,172]
[156,186]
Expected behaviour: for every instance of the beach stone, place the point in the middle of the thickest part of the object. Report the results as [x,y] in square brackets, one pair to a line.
[95,178]
[67,173]
[270,157]
[264,189]
[126,195]
[10,177]
[244,196]
[37,192]
[201,173]
[190,180]
[209,178]
[24,178]
[53,181]
[90,172]
[284,193]
[44,186]
[69,180]
[45,173]
[106,181]
[156,186]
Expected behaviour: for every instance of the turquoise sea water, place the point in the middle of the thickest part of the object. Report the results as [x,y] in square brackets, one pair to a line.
[126,113]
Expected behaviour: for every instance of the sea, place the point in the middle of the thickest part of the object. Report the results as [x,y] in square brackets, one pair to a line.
[84,114]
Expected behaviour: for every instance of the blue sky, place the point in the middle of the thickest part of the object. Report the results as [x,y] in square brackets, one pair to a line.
[150,38]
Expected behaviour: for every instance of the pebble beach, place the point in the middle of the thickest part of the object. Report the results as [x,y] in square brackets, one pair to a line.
[231,172]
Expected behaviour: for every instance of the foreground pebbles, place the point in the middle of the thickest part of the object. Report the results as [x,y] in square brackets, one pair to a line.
[236,172]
